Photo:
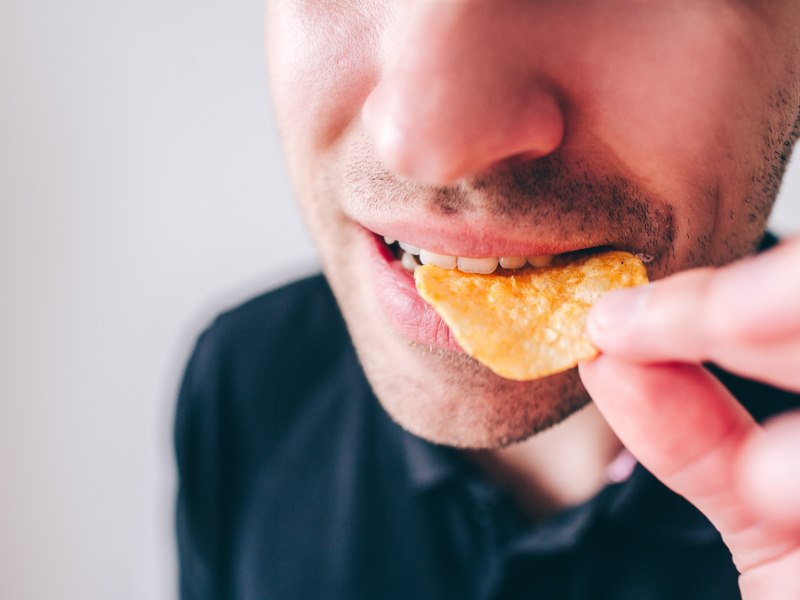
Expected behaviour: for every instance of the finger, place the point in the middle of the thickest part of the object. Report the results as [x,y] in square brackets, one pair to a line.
[688,431]
[744,317]
[769,471]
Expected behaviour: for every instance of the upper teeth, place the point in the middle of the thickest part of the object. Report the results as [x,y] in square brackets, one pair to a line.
[426,257]
[407,247]
[484,265]
[477,265]
[512,262]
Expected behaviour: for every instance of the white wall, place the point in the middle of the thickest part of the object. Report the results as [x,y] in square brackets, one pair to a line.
[786,216]
[141,190]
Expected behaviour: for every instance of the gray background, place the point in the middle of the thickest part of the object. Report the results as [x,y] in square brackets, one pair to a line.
[141,190]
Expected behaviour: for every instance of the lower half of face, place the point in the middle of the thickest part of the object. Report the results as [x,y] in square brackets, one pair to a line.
[422,378]
[686,178]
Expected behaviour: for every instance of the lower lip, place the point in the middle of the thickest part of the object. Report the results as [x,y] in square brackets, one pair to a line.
[408,313]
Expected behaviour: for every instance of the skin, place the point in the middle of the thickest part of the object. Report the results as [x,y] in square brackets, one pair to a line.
[657,127]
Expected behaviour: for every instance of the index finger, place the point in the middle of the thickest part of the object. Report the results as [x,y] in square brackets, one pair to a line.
[744,317]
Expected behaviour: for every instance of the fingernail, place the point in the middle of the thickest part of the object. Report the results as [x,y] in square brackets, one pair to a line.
[616,310]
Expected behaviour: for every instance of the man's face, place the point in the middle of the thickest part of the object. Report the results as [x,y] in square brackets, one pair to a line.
[513,128]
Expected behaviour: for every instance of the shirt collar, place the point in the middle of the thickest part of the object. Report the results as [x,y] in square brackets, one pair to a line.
[641,502]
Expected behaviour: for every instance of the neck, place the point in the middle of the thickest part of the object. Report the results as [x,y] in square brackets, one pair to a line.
[560,467]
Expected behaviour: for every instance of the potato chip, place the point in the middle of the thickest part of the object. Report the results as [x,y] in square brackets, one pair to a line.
[528,323]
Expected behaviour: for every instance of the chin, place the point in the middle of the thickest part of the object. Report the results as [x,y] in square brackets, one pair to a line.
[448,398]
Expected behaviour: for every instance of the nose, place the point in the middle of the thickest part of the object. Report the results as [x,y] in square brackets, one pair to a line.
[460,91]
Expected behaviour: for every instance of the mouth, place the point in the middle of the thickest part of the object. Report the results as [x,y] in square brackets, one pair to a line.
[393,262]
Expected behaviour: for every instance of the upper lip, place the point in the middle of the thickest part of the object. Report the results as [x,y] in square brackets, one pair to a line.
[478,240]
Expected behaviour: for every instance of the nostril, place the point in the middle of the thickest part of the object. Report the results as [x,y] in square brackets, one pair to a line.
[401,138]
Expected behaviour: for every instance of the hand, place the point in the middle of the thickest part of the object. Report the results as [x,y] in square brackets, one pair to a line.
[686,428]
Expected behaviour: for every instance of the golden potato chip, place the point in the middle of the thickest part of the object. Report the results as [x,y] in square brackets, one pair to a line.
[528,323]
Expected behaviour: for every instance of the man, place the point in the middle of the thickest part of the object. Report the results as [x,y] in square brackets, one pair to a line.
[483,132]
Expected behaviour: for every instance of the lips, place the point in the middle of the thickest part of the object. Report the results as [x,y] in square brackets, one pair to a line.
[479,236]
[408,314]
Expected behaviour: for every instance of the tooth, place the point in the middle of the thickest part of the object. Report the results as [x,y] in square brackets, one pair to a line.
[513,262]
[426,257]
[477,265]
[409,262]
[389,241]
[409,248]
[540,261]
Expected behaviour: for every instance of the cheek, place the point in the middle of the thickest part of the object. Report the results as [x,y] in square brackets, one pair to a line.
[322,63]
[688,114]
[681,104]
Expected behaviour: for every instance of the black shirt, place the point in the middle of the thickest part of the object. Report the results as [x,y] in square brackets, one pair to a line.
[295,484]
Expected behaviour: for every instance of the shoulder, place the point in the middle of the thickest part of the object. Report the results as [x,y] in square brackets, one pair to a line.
[257,367]
[259,374]
[272,337]
[279,323]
